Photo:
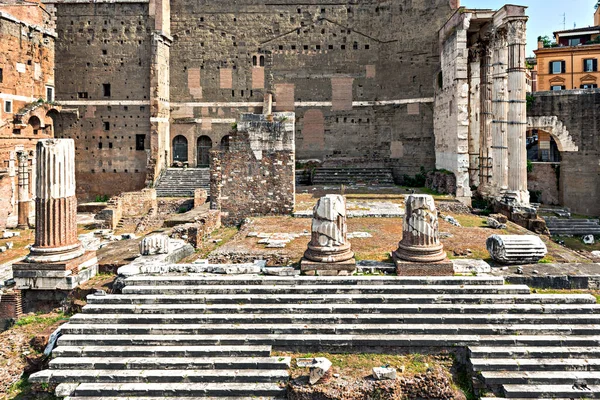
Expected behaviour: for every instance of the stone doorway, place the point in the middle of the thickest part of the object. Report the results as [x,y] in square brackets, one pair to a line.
[203,147]
[180,149]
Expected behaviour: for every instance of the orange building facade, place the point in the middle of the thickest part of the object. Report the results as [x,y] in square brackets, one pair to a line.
[572,63]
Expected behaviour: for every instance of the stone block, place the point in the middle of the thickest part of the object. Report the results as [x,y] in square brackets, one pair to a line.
[437,268]
[384,373]
[309,267]
[154,244]
[318,369]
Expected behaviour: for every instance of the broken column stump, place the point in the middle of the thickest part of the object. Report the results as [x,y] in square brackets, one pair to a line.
[329,251]
[57,259]
[516,249]
[420,252]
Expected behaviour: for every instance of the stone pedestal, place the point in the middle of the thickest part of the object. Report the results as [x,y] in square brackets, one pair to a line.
[420,251]
[329,251]
[57,259]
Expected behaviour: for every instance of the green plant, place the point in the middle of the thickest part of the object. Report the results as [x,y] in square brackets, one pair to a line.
[417,181]
[37,319]
[101,198]
[530,101]
[182,209]
[529,166]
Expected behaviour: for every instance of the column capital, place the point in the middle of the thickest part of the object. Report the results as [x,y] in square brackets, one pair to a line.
[517,31]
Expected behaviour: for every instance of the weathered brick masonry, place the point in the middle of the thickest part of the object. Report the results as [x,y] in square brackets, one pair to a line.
[256,175]
[572,117]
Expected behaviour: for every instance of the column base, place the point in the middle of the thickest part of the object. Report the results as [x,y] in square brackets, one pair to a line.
[54,255]
[432,268]
[309,267]
[60,275]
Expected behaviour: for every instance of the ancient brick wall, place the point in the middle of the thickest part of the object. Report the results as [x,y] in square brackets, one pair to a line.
[256,175]
[543,183]
[11,304]
[129,204]
[103,62]
[359,75]
[26,71]
[576,133]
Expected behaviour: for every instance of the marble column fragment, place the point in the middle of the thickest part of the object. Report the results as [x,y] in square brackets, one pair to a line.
[420,232]
[329,243]
[55,204]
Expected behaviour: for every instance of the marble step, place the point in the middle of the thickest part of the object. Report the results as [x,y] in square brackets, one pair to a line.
[327,289]
[170,363]
[367,319]
[536,364]
[163,351]
[123,326]
[159,376]
[316,341]
[561,352]
[178,390]
[186,398]
[495,378]
[342,299]
[202,279]
[552,391]
[333,308]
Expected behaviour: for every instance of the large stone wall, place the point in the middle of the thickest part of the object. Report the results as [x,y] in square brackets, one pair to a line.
[572,117]
[110,43]
[543,183]
[358,75]
[256,175]
[27,68]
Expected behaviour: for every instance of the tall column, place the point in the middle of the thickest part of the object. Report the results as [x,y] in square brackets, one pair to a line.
[486,117]
[517,109]
[55,204]
[474,71]
[23,193]
[500,113]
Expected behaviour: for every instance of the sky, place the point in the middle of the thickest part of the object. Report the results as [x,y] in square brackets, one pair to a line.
[545,16]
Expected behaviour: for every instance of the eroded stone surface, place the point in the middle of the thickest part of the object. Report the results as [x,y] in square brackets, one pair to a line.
[516,249]
[154,244]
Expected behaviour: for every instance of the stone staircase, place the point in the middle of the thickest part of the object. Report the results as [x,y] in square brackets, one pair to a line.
[352,175]
[206,336]
[572,226]
[179,182]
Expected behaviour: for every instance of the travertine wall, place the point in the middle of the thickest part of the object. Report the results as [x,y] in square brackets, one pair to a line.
[572,118]
[129,204]
[27,64]
[357,74]
[543,179]
[256,176]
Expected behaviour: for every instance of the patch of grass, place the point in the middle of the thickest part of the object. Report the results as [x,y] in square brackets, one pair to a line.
[41,319]
[22,390]
[576,243]
[471,221]
[462,382]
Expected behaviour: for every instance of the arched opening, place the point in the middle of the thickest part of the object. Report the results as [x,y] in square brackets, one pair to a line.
[262,61]
[203,148]
[35,124]
[180,149]
[541,146]
[225,140]
[55,117]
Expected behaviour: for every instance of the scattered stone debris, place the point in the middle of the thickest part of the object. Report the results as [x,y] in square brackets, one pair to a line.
[10,234]
[588,239]
[451,220]
[596,254]
[520,270]
[383,373]
[359,235]
[495,224]
[318,369]
[501,218]
[465,266]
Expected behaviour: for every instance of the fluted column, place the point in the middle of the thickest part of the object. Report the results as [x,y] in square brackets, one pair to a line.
[55,203]
[23,193]
[485,120]
[517,109]
[420,231]
[500,113]
[474,72]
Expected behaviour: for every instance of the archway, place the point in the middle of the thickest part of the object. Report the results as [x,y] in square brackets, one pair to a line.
[180,149]
[35,124]
[225,141]
[203,147]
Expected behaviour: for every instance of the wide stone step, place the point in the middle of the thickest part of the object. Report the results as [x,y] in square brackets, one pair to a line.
[495,378]
[283,397]
[159,376]
[177,363]
[346,342]
[335,308]
[489,353]
[328,289]
[552,391]
[358,281]
[366,319]
[170,326]
[178,390]
[536,364]
[342,299]
[163,351]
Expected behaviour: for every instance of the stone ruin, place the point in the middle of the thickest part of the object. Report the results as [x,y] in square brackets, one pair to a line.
[57,260]
[516,249]
[329,250]
[420,251]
